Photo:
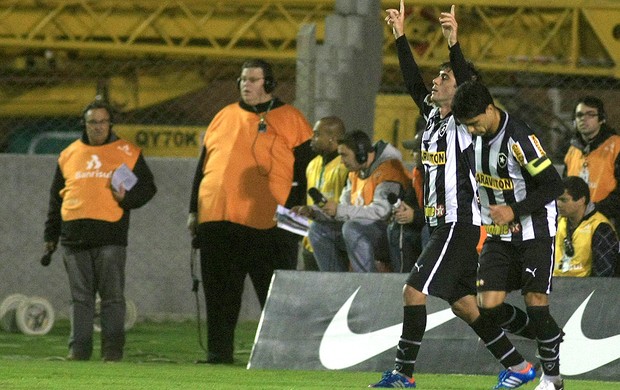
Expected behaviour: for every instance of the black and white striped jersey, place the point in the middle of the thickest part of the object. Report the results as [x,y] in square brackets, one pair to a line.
[449,183]
[447,154]
[512,168]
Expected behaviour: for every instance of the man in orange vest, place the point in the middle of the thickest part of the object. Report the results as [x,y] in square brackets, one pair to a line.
[89,212]
[594,155]
[246,168]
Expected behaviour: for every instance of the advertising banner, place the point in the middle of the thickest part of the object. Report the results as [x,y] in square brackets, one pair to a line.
[349,321]
[163,141]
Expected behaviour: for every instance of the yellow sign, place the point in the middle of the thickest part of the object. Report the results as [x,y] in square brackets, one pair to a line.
[164,141]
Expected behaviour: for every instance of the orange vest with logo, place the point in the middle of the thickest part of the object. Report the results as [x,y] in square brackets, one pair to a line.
[597,168]
[363,190]
[87,171]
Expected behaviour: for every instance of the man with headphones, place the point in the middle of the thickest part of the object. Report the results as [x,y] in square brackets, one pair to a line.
[252,149]
[352,234]
[90,216]
[594,155]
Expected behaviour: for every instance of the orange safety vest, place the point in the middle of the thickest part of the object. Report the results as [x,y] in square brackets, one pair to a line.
[596,168]
[246,173]
[87,171]
[363,190]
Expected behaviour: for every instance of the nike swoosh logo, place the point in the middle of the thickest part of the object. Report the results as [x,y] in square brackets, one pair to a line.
[600,351]
[341,348]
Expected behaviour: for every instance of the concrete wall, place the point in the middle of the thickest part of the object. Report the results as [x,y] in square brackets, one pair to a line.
[345,70]
[158,260]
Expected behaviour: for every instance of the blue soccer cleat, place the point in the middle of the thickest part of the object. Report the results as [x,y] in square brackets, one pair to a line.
[394,379]
[509,379]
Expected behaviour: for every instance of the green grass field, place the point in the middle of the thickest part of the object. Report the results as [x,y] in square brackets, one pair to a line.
[163,355]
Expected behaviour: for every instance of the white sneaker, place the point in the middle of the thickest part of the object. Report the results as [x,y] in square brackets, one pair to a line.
[546,384]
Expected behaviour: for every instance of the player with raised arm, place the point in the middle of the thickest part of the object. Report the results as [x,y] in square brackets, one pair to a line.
[447,266]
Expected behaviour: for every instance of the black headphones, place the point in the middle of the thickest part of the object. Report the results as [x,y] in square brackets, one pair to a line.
[270,82]
[363,146]
[95,104]
[361,154]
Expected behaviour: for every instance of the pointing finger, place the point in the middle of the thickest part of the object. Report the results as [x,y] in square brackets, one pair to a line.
[452,10]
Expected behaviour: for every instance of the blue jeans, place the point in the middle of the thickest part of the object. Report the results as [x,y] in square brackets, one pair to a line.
[102,270]
[358,242]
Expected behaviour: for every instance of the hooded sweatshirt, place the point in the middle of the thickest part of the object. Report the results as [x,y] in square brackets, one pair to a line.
[366,193]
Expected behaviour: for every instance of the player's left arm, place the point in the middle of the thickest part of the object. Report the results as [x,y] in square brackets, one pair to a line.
[548,186]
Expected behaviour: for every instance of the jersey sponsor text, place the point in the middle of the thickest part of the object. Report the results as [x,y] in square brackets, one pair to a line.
[434,158]
[496,183]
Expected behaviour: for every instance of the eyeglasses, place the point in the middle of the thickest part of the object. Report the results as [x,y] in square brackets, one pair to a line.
[569,249]
[250,79]
[579,115]
[93,122]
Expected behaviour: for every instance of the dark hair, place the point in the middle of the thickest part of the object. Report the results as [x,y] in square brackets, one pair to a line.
[470,100]
[475,75]
[96,104]
[577,188]
[592,101]
[359,142]
[270,81]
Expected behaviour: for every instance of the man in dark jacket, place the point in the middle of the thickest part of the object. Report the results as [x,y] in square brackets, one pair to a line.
[94,189]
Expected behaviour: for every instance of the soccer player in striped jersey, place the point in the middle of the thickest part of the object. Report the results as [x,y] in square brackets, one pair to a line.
[517,185]
[447,266]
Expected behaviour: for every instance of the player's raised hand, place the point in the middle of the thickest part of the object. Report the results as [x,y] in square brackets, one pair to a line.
[396,19]
[449,26]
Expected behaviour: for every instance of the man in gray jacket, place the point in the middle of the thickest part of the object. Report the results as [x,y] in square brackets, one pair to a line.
[351,234]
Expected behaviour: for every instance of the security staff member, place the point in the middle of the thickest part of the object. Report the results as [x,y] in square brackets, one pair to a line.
[91,218]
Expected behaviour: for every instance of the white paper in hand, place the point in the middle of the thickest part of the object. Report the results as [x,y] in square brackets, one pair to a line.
[290,221]
[125,177]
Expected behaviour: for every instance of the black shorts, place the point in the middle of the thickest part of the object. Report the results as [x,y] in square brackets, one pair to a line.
[508,266]
[447,266]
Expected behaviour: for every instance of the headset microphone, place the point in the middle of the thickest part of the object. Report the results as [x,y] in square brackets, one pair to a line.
[317,197]
[394,200]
